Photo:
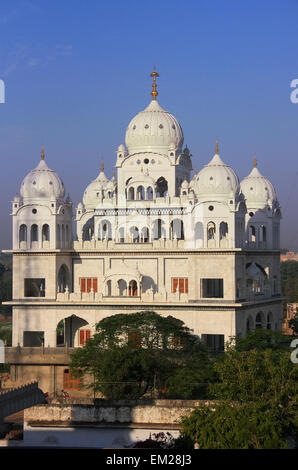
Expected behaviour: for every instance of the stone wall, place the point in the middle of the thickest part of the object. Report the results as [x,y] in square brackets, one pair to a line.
[112,412]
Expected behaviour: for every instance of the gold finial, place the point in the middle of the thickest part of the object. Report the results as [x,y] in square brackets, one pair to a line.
[216,147]
[113,173]
[154,93]
[196,171]
[101,168]
[255,161]
[42,153]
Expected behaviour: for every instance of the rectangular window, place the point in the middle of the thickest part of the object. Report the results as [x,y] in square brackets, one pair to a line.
[87,282]
[214,343]
[70,382]
[34,287]
[33,339]
[180,283]
[84,337]
[211,288]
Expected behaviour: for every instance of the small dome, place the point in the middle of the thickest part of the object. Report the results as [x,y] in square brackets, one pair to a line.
[142,179]
[257,189]
[185,184]
[153,129]
[42,183]
[125,271]
[216,178]
[95,190]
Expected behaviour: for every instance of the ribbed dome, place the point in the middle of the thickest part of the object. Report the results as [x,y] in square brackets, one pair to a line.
[257,189]
[153,129]
[42,183]
[216,178]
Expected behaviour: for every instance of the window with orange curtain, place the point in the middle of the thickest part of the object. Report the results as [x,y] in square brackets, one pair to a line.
[84,337]
[180,283]
[70,382]
[88,282]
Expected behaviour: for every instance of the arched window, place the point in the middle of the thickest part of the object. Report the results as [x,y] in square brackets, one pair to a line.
[263,233]
[109,288]
[121,235]
[177,230]
[260,320]
[131,194]
[23,233]
[88,229]
[133,289]
[223,230]
[161,187]
[45,233]
[249,324]
[34,233]
[145,235]
[269,321]
[105,230]
[211,231]
[157,229]
[140,193]
[122,287]
[63,278]
[149,193]
[134,233]
[252,234]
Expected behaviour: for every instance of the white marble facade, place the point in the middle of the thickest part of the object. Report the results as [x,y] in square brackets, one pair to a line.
[200,246]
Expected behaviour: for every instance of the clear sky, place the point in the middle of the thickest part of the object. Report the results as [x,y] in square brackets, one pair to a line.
[77,71]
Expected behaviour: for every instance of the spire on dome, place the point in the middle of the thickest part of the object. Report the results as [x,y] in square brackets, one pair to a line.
[255,161]
[154,92]
[42,153]
[216,147]
[102,167]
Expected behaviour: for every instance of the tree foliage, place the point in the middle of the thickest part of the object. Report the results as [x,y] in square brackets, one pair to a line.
[247,426]
[132,355]
[289,280]
[256,393]
[256,375]
[260,340]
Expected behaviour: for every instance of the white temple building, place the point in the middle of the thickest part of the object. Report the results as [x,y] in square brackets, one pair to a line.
[200,246]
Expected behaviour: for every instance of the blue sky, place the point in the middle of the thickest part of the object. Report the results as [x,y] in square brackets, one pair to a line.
[76,73]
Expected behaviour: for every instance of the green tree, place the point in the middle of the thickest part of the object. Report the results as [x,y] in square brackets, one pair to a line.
[256,375]
[289,280]
[246,426]
[260,340]
[131,355]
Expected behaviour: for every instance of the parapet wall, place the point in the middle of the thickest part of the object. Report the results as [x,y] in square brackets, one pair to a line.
[112,412]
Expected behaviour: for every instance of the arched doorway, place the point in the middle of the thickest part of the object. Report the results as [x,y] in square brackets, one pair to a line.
[71,336]
[63,278]
[133,289]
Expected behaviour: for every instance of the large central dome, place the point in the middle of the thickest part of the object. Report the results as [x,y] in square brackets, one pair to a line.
[153,129]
